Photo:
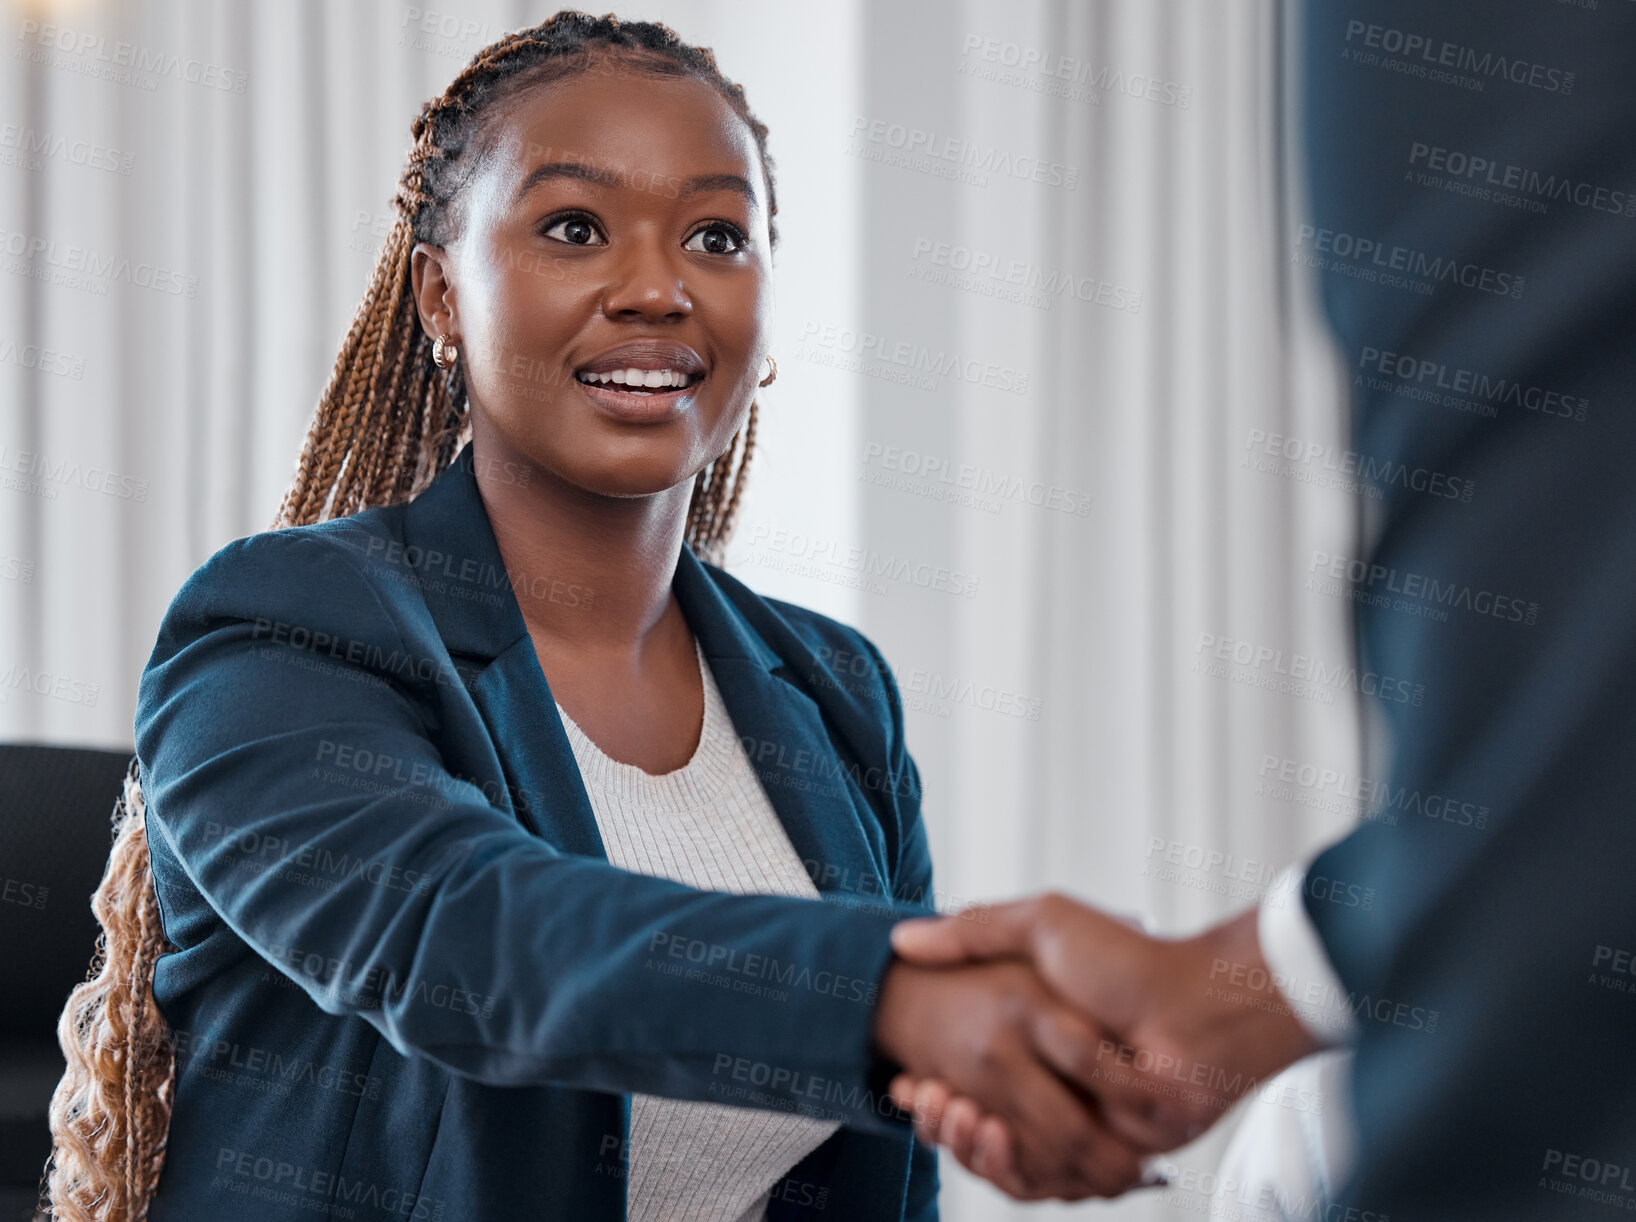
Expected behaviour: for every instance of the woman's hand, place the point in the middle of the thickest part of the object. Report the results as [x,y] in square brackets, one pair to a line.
[980,1142]
[991,1033]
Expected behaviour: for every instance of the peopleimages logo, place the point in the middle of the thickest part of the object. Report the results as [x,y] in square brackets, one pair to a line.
[955,151]
[1414,377]
[1376,580]
[96,55]
[1373,473]
[1369,259]
[1302,671]
[81,267]
[798,545]
[913,358]
[1429,55]
[1597,1178]
[1056,75]
[42,360]
[985,266]
[276,1181]
[1379,800]
[48,471]
[978,480]
[1489,179]
[31,146]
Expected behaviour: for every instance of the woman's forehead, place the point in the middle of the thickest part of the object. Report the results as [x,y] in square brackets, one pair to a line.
[627,123]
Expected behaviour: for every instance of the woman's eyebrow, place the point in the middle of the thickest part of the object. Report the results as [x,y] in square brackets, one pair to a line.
[613,179]
[719,182]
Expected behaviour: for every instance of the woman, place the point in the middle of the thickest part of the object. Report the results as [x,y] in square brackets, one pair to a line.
[420,948]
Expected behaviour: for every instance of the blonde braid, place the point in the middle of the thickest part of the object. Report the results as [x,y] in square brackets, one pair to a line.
[728,517]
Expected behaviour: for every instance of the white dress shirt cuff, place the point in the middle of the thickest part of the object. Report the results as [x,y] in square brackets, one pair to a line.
[1299,965]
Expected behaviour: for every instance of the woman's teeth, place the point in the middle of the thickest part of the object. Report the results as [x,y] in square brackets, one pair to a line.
[646,379]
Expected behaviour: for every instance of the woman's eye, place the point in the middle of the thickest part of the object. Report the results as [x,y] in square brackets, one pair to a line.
[576,231]
[717,240]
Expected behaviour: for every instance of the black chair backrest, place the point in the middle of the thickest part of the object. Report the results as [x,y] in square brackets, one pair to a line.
[56,829]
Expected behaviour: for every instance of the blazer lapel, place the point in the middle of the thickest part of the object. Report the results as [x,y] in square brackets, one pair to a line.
[451,545]
[816,797]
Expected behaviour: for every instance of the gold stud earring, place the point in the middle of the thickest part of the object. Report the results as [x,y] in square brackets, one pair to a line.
[444,354]
[771,372]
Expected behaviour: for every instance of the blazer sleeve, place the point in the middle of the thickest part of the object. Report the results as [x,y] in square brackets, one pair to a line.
[911,884]
[502,960]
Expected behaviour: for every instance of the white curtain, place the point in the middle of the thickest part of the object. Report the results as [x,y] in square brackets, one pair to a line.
[1041,352]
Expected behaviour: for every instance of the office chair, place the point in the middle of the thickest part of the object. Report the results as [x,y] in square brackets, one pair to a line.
[56,830]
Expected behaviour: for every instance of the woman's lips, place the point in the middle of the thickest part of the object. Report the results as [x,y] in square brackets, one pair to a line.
[643,406]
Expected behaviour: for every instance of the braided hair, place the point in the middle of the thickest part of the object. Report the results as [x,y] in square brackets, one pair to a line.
[387,423]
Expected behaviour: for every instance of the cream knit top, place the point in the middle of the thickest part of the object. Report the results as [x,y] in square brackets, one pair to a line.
[708,824]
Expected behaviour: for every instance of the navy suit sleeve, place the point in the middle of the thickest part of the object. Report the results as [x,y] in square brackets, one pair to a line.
[491,954]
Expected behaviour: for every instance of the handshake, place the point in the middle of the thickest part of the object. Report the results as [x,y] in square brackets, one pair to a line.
[1052,1047]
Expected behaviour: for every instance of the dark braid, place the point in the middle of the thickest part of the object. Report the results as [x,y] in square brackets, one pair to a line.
[388,422]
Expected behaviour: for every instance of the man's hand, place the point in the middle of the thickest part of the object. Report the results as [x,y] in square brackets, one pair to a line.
[1182,1045]
[990,1031]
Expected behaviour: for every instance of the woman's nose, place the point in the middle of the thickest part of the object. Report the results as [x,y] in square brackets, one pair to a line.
[646,283]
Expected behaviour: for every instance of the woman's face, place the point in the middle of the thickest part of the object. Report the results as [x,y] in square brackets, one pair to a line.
[619,224]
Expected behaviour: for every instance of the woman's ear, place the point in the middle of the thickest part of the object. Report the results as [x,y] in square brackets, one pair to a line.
[432,282]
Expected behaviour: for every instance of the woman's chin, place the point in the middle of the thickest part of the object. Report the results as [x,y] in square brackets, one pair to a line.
[632,480]
[619,467]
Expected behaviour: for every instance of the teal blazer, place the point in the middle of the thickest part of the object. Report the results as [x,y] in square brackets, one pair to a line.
[407,983]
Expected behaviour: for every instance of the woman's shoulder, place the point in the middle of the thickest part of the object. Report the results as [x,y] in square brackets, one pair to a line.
[295,553]
[316,577]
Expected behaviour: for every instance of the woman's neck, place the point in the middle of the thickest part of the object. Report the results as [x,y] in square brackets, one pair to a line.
[590,572]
